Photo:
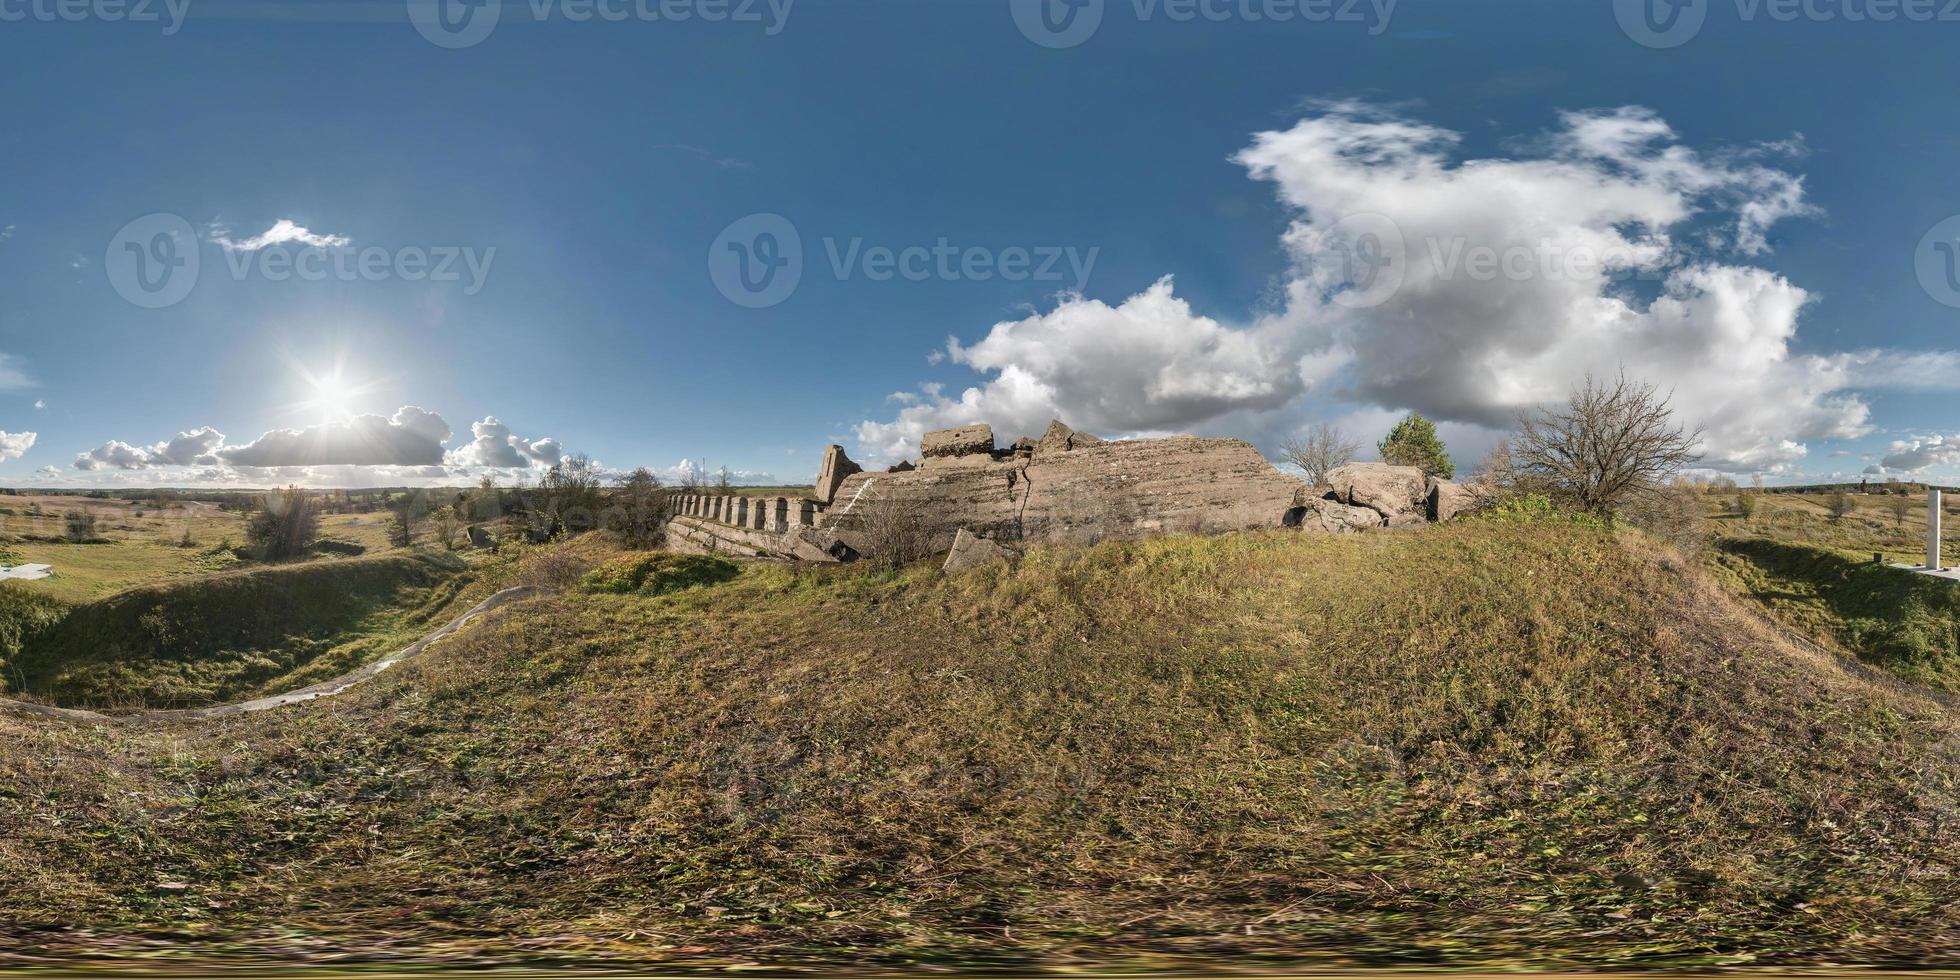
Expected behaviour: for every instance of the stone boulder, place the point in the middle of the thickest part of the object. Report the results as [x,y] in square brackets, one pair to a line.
[1336,517]
[1060,439]
[836,468]
[1446,499]
[967,440]
[1391,491]
[480,538]
[972,551]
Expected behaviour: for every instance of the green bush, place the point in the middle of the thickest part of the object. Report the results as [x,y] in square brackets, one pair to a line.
[23,615]
[1526,507]
[659,574]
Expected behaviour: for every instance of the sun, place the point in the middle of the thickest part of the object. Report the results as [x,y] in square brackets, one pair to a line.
[333,397]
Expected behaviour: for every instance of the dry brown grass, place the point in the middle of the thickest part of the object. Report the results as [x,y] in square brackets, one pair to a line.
[1486,742]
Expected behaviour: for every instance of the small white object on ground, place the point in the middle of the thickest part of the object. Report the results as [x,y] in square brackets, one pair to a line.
[26,572]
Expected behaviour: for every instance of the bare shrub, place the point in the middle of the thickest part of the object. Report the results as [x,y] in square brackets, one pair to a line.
[893,526]
[1900,507]
[285,526]
[552,567]
[80,526]
[1608,446]
[1839,504]
[1319,450]
[1672,513]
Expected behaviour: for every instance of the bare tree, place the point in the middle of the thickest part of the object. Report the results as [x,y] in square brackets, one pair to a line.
[570,492]
[443,520]
[639,510]
[1609,444]
[1319,450]
[1900,506]
[403,514]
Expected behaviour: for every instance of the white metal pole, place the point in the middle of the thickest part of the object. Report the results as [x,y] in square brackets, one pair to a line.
[1933,530]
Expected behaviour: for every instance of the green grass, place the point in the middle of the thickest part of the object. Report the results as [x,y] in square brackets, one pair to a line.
[1814,574]
[1522,742]
[1906,623]
[659,574]
[225,637]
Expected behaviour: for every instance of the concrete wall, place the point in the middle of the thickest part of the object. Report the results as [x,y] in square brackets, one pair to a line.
[775,515]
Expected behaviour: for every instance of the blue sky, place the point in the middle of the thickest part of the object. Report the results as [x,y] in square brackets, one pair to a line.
[1763,192]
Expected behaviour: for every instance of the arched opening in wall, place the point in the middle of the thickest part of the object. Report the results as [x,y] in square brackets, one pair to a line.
[1294,518]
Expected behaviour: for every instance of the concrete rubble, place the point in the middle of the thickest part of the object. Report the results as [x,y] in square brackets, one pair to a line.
[1064,486]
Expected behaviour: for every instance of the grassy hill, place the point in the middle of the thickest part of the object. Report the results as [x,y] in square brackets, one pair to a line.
[1815,575]
[185,642]
[1490,742]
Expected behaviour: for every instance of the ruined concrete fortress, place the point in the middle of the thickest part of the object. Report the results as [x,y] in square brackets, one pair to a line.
[1066,486]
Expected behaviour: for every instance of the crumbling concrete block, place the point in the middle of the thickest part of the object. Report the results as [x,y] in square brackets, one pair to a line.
[972,551]
[1060,439]
[836,468]
[967,440]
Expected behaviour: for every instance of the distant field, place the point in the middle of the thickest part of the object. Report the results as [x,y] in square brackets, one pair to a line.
[1814,574]
[141,543]
[782,491]
[1871,527]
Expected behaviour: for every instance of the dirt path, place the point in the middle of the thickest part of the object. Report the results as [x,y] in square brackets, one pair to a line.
[324,689]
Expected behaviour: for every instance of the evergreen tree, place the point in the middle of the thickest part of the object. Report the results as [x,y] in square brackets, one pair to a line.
[1413,442]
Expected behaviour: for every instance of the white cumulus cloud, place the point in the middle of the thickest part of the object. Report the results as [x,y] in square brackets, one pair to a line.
[14,445]
[284,231]
[493,445]
[1910,455]
[1467,289]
